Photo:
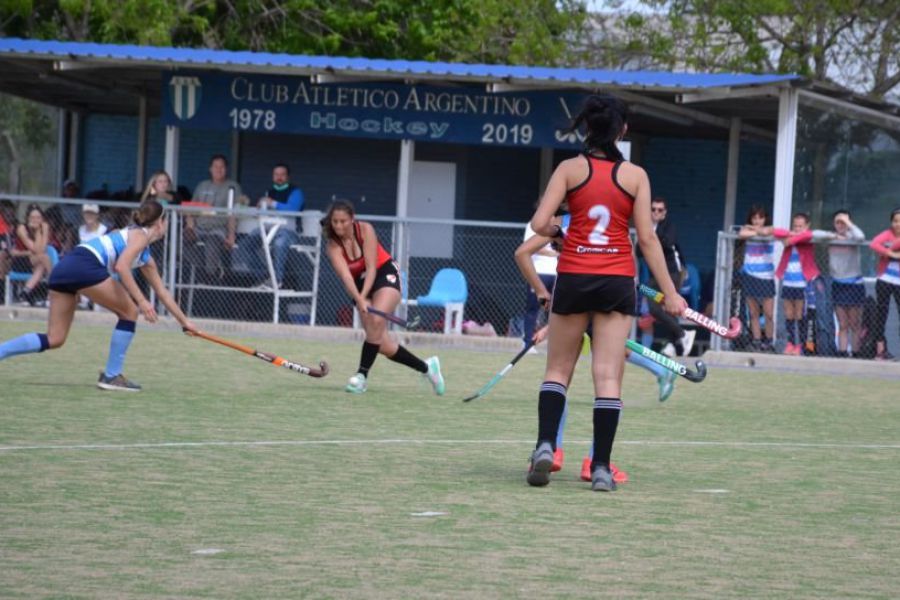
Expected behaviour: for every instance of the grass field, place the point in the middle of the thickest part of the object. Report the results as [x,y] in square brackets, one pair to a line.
[749,485]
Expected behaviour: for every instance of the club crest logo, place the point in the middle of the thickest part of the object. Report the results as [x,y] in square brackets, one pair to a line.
[185,94]
[391,278]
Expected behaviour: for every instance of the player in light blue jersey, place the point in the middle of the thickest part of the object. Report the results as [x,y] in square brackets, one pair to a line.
[88,270]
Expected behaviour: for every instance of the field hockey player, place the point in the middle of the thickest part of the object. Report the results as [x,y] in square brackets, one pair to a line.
[595,282]
[369,275]
[88,270]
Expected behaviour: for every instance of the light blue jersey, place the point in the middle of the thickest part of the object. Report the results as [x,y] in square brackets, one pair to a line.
[107,248]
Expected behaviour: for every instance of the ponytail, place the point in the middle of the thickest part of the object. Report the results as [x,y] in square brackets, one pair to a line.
[148,213]
[604,118]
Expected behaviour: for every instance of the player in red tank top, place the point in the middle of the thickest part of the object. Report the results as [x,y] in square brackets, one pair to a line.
[596,279]
[370,276]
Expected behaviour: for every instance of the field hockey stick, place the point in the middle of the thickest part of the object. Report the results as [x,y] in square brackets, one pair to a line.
[702,320]
[321,371]
[672,365]
[487,387]
[406,324]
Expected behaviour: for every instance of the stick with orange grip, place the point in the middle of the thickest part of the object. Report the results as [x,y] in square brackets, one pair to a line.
[320,371]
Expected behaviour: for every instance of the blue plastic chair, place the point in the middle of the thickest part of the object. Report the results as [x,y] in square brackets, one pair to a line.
[23,276]
[450,291]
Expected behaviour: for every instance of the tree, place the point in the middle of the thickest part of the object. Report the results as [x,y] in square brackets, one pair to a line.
[855,43]
[491,31]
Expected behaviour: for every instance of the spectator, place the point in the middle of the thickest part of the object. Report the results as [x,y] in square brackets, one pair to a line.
[30,251]
[216,232]
[887,245]
[160,188]
[679,341]
[90,229]
[796,269]
[281,196]
[848,293]
[757,276]
[7,232]
[70,213]
[544,261]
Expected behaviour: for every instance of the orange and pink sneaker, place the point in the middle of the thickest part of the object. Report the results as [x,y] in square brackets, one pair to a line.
[558,458]
[618,476]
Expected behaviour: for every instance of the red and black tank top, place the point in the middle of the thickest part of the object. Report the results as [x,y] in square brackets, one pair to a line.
[358,265]
[597,242]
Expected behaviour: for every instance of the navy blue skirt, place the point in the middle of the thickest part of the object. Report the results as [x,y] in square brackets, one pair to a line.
[847,294]
[77,270]
[756,288]
[793,293]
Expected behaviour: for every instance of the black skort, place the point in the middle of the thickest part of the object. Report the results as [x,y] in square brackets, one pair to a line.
[387,275]
[577,293]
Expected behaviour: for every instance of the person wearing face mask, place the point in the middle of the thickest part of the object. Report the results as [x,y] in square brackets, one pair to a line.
[88,269]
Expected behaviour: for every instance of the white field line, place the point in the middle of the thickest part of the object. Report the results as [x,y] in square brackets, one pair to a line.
[410,442]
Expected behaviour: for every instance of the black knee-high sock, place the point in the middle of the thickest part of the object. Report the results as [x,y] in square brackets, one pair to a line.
[606,420]
[367,358]
[405,357]
[791,327]
[551,403]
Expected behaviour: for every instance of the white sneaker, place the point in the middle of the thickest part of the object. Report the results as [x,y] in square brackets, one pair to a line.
[687,341]
[434,375]
[356,384]
[669,350]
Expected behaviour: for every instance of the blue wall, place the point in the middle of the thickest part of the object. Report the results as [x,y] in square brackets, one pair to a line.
[493,183]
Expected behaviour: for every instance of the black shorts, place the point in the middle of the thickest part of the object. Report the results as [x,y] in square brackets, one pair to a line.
[577,293]
[77,270]
[387,275]
[757,288]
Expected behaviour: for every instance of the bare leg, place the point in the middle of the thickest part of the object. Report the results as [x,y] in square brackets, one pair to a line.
[843,318]
[753,307]
[768,312]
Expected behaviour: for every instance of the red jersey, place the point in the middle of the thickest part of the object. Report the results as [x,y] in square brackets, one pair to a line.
[358,265]
[597,242]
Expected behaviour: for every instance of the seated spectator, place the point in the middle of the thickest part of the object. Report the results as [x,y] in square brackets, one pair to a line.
[70,213]
[281,196]
[30,251]
[7,232]
[160,188]
[90,229]
[216,232]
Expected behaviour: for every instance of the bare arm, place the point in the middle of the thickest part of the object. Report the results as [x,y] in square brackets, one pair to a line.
[343,271]
[523,256]
[370,254]
[650,246]
[22,233]
[137,241]
[151,274]
[542,221]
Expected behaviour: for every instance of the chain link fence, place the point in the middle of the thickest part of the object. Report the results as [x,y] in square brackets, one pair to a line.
[836,319]
[209,279]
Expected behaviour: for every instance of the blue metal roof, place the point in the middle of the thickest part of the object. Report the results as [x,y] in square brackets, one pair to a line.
[196,58]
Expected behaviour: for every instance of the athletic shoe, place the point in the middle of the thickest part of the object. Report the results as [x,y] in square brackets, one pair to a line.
[669,350]
[602,479]
[559,458]
[541,463]
[666,383]
[434,376]
[117,384]
[586,469]
[618,475]
[356,384]
[687,341]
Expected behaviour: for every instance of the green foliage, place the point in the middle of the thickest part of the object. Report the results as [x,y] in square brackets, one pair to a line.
[492,31]
[855,42]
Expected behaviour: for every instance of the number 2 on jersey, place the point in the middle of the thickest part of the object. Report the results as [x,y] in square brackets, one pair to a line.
[597,236]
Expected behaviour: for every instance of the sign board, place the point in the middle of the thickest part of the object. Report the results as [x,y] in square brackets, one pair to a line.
[432,113]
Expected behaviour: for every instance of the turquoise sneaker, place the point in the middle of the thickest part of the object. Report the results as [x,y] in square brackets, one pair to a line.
[666,385]
[356,384]
[434,376]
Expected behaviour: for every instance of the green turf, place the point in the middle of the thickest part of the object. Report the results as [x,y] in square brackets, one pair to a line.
[335,520]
